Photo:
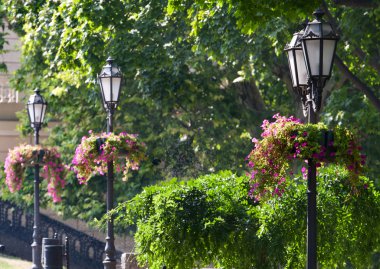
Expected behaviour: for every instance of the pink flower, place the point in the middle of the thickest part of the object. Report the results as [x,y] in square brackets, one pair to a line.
[304,172]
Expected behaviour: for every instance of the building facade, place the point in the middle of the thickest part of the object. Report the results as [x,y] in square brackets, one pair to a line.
[10,100]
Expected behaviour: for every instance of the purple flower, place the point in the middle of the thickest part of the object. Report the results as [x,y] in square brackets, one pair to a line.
[253,174]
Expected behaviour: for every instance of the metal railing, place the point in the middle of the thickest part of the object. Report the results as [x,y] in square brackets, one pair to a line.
[85,250]
[8,95]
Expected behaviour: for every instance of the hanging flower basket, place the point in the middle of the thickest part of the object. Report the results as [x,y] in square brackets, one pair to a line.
[93,153]
[23,156]
[287,139]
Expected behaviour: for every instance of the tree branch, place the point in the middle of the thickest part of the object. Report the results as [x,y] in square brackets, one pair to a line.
[358,83]
[330,86]
[373,61]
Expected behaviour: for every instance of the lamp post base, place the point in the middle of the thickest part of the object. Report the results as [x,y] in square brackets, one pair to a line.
[109,264]
[36,256]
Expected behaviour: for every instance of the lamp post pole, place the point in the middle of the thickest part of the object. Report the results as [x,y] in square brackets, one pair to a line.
[110,84]
[110,261]
[36,245]
[310,54]
[311,200]
[36,108]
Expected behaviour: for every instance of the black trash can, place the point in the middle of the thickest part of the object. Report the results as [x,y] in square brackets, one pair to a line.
[53,257]
[52,252]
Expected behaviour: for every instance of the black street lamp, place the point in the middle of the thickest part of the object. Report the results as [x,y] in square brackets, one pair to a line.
[110,83]
[311,55]
[36,108]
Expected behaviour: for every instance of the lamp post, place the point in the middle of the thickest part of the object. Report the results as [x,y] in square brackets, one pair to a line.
[310,56]
[36,108]
[110,84]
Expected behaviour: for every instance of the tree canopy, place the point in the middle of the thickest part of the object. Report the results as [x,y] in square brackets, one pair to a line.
[199,78]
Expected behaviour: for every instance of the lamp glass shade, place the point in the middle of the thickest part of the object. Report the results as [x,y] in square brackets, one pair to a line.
[296,62]
[110,84]
[319,45]
[36,108]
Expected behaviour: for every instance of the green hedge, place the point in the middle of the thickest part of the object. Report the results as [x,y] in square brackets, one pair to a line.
[211,220]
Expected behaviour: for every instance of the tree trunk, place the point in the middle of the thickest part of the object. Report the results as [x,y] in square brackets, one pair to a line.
[249,94]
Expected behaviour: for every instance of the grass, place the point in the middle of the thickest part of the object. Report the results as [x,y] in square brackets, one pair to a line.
[8,262]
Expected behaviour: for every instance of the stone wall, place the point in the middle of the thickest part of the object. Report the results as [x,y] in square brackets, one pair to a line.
[128,261]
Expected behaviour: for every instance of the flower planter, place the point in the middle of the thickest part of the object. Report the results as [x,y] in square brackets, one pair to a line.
[328,143]
[53,170]
[287,139]
[100,142]
[94,152]
[37,158]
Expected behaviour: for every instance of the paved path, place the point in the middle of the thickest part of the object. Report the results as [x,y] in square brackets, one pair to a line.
[7,262]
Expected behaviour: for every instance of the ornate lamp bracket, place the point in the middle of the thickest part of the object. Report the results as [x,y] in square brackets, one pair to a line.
[316,97]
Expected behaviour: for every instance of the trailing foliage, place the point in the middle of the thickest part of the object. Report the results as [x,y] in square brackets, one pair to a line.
[195,223]
[211,219]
